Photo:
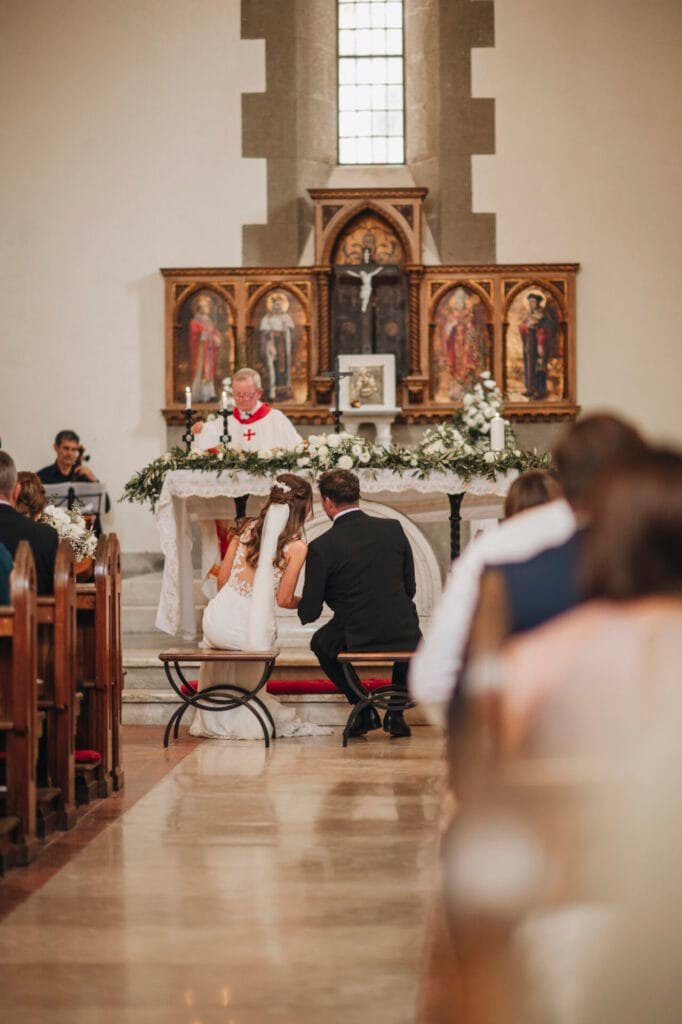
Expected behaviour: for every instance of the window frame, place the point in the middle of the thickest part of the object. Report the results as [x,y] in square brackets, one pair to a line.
[402,57]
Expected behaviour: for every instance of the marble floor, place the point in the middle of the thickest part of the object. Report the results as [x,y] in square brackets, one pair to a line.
[244,886]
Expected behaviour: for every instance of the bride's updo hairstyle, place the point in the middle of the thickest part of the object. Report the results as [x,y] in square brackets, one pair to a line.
[290,490]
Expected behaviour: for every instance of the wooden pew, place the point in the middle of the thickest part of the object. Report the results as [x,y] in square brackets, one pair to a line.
[18,713]
[116,654]
[57,668]
[100,676]
[95,679]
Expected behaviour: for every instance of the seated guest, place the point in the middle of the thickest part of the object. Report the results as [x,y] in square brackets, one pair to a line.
[439,658]
[577,678]
[534,487]
[5,575]
[69,465]
[15,527]
[31,499]
[589,447]
[547,584]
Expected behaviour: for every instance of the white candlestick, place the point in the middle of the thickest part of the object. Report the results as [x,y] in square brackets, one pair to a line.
[188,398]
[224,399]
[497,434]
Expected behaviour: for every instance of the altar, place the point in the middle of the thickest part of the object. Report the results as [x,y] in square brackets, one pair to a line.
[192,496]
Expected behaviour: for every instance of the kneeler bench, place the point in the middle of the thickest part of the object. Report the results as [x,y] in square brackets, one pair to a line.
[377,697]
[221,696]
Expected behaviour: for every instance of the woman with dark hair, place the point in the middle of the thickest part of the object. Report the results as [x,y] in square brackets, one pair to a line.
[259,572]
[32,498]
[579,681]
[532,488]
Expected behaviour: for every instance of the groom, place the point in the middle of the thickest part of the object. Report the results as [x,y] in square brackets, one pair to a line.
[363,569]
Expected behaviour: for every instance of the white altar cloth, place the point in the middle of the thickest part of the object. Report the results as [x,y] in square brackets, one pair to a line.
[176,605]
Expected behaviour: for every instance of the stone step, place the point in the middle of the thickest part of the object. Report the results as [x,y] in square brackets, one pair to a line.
[141,618]
[144,671]
[155,706]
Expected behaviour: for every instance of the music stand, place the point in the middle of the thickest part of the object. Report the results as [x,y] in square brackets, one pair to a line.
[90,497]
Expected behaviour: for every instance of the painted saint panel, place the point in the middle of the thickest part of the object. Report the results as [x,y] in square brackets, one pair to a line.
[203,350]
[278,346]
[461,343]
[535,348]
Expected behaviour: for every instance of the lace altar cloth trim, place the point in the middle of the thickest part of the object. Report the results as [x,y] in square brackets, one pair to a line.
[183,484]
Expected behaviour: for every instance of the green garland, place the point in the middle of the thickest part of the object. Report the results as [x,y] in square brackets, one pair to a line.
[443,449]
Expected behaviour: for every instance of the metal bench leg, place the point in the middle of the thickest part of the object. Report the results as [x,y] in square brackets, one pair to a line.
[242,698]
[177,714]
[178,720]
[353,717]
[266,711]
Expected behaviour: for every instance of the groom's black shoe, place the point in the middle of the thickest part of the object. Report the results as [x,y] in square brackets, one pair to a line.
[395,724]
[367,721]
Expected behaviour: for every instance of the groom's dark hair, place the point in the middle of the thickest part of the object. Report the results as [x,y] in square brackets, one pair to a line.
[340,486]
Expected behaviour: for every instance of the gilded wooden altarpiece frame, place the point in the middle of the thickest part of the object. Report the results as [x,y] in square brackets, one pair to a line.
[518,321]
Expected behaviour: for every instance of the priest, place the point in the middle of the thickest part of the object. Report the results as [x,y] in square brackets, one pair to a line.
[254,424]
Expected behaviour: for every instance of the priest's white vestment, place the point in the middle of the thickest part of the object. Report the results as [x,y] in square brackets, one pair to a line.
[264,428]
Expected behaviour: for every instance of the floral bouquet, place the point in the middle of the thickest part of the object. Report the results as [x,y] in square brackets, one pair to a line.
[480,406]
[71,525]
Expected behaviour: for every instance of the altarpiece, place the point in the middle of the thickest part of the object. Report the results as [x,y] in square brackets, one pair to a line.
[370,292]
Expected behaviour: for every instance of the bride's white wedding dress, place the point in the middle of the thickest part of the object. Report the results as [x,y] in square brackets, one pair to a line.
[242,616]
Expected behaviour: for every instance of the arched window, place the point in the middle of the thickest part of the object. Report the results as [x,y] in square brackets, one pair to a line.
[371,125]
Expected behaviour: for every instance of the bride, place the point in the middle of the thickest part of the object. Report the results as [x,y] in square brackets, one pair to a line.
[260,568]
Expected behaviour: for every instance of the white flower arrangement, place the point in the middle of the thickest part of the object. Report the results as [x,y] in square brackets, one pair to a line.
[481,405]
[71,526]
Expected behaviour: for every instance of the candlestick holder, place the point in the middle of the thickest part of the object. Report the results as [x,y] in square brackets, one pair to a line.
[337,376]
[225,436]
[188,436]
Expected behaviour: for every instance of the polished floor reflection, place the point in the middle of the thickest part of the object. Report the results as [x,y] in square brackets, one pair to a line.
[246,886]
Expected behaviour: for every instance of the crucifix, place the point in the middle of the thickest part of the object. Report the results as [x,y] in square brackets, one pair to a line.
[337,375]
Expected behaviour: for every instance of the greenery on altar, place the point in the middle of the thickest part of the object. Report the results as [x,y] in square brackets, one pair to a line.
[461,446]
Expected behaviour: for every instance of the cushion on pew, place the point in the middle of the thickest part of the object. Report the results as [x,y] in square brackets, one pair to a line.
[88,757]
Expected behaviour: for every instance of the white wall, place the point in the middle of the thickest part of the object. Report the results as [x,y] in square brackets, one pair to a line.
[121,138]
[589,168]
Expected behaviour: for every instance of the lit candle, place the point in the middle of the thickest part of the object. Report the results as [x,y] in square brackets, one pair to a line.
[224,399]
[497,434]
[188,398]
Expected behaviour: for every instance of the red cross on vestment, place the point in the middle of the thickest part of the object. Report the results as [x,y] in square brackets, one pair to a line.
[248,434]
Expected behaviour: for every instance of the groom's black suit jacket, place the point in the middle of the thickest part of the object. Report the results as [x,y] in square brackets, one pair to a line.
[363,569]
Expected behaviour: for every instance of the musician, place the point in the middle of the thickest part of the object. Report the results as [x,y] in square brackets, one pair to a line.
[70,465]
